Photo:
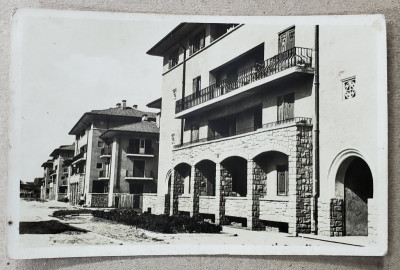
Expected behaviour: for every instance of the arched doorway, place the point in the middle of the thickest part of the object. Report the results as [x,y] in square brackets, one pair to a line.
[234,175]
[354,183]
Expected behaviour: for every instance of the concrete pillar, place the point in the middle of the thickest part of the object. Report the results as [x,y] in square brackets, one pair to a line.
[194,191]
[218,197]
[174,195]
[113,170]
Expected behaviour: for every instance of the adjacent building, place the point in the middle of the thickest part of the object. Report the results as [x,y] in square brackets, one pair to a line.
[47,184]
[59,172]
[261,125]
[112,155]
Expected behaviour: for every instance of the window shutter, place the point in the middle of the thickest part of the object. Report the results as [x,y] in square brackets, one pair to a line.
[148,147]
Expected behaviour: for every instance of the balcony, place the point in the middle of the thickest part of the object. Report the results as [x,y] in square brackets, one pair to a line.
[250,130]
[81,157]
[106,152]
[104,175]
[76,178]
[139,175]
[293,60]
[134,151]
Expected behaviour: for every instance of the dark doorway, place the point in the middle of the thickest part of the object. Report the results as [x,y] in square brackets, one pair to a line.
[358,188]
[136,188]
[138,168]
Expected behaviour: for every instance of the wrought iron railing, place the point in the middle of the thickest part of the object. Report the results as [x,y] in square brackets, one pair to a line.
[139,173]
[297,56]
[216,136]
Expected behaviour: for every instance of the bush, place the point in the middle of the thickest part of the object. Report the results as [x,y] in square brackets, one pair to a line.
[62,213]
[158,223]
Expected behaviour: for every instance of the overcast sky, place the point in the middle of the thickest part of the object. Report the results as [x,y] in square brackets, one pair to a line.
[65,65]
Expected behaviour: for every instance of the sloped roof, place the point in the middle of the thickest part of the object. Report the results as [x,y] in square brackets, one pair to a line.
[111,112]
[156,104]
[139,127]
[63,148]
[47,163]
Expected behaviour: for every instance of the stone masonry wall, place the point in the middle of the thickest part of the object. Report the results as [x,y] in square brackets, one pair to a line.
[225,190]
[304,179]
[259,180]
[178,190]
[99,200]
[167,204]
[198,179]
[337,217]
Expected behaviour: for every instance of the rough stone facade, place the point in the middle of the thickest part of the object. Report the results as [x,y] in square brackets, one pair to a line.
[337,218]
[304,180]
[177,190]
[99,200]
[167,204]
[292,139]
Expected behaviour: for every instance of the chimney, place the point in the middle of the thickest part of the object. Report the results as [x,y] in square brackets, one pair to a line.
[144,117]
[134,106]
[118,105]
[123,103]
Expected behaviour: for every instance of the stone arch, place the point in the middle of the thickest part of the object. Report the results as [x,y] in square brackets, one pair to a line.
[274,148]
[205,172]
[234,175]
[354,186]
[167,182]
[271,173]
[227,155]
[341,160]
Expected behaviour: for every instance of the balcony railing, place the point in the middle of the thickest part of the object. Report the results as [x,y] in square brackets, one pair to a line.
[139,173]
[104,174]
[106,151]
[81,155]
[135,150]
[297,56]
[298,120]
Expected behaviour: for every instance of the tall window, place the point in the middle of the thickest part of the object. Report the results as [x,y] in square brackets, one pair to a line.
[194,133]
[197,85]
[286,40]
[286,107]
[283,180]
[173,58]
[197,42]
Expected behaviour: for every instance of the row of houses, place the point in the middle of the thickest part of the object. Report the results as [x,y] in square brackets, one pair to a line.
[270,126]
[114,156]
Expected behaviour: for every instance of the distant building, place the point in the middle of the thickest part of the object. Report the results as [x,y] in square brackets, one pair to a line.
[29,189]
[47,181]
[92,167]
[241,136]
[59,172]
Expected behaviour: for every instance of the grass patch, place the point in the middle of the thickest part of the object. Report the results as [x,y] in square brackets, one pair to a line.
[159,223]
[46,227]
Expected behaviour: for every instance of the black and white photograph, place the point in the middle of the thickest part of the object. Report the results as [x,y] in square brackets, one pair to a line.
[145,134]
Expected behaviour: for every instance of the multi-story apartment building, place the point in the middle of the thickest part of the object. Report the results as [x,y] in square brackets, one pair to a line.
[261,125]
[59,173]
[90,168]
[47,181]
[132,155]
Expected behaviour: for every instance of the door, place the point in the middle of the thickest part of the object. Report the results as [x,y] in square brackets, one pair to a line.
[358,187]
[286,40]
[138,168]
[286,107]
[136,188]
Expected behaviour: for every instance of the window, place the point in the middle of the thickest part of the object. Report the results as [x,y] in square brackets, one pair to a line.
[197,42]
[194,133]
[100,144]
[99,165]
[173,58]
[197,85]
[283,177]
[349,88]
[286,40]
[286,107]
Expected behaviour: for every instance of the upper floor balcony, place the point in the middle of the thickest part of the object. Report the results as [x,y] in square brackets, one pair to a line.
[249,130]
[284,64]
[81,157]
[140,151]
[138,174]
[106,152]
[104,175]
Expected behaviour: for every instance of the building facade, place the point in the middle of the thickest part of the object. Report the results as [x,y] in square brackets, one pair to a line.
[91,167]
[255,126]
[47,181]
[59,172]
